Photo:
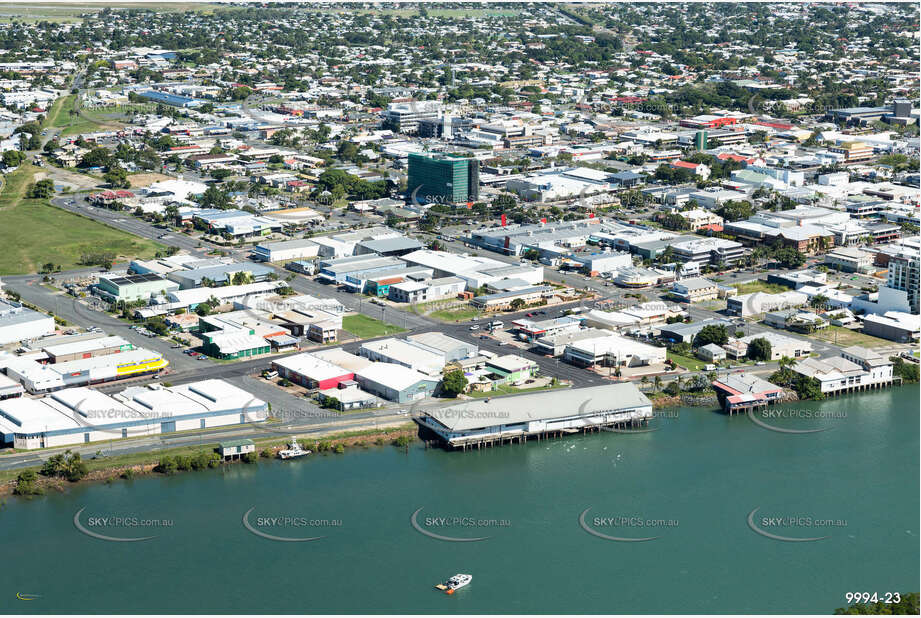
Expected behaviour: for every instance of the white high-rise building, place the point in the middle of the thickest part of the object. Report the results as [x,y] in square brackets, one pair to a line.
[903,274]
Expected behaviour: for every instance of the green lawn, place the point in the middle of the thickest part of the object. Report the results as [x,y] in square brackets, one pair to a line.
[59,115]
[33,232]
[365,327]
[511,390]
[455,315]
[760,286]
[688,362]
[845,337]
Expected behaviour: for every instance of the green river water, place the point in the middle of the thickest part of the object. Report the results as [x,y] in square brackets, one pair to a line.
[693,483]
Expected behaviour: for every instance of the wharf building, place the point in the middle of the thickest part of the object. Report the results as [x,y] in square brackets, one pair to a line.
[499,420]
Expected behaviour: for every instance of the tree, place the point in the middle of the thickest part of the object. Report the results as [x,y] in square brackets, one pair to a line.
[215,198]
[241,278]
[347,151]
[26,484]
[735,210]
[454,382]
[203,309]
[759,349]
[712,333]
[67,465]
[819,301]
[516,304]
[907,371]
[43,189]
[698,383]
[13,158]
[117,177]
[788,257]
[97,157]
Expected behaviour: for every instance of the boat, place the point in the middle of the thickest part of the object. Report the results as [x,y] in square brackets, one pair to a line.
[455,583]
[294,451]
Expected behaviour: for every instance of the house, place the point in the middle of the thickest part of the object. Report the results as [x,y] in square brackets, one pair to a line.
[698,169]
[348,397]
[739,391]
[235,449]
[502,301]
[511,368]
[795,320]
[698,219]
[781,345]
[839,374]
[680,331]
[711,353]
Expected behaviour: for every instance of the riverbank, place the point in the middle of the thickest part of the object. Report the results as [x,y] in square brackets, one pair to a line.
[703,400]
[122,467]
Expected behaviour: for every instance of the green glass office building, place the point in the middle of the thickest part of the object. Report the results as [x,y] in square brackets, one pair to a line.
[443,179]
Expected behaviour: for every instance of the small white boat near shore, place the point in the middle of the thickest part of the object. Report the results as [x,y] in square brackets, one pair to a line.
[293,451]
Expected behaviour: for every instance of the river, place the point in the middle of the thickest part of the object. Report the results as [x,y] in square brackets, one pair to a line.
[692,484]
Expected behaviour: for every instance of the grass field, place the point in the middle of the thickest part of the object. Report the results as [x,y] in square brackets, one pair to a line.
[33,232]
[760,286]
[59,114]
[511,390]
[364,327]
[846,337]
[688,362]
[455,315]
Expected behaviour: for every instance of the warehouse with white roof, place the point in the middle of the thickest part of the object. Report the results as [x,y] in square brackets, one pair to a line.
[81,415]
[39,378]
[554,412]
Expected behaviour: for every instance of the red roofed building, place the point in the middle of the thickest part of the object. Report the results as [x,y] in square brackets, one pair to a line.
[739,392]
[707,121]
[698,169]
[780,126]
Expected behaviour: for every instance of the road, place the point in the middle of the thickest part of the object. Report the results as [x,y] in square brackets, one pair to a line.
[306,425]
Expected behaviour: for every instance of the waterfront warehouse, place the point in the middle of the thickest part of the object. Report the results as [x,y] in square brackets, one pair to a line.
[80,415]
[556,412]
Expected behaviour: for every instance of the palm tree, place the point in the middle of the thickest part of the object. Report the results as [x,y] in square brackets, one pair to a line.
[786,361]
[657,383]
[644,381]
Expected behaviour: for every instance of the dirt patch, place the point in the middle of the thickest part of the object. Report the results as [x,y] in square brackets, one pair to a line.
[75,180]
[143,180]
